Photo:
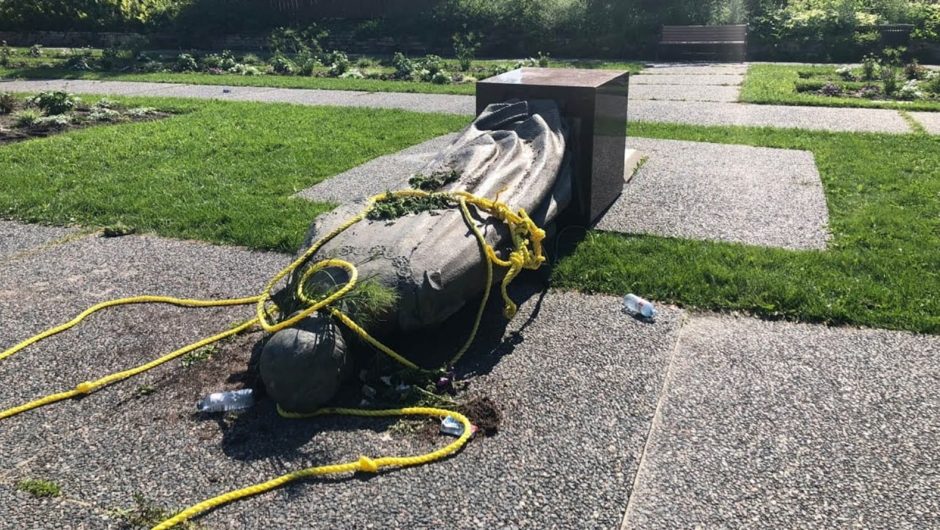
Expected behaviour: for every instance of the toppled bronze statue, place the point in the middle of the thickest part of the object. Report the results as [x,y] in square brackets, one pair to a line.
[418,260]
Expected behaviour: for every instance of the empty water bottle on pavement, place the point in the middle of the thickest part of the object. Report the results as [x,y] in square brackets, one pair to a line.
[451,426]
[227,401]
[635,305]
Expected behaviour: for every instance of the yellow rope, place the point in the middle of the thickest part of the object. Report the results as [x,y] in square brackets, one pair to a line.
[526,254]
[364,464]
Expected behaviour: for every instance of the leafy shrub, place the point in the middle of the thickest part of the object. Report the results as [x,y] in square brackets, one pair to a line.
[252,59]
[282,65]
[889,80]
[465,48]
[846,73]
[105,115]
[869,68]
[5,54]
[35,50]
[339,63]
[58,121]
[26,118]
[104,103]
[308,66]
[151,67]
[913,70]
[869,92]
[7,102]
[79,60]
[441,78]
[364,62]
[354,73]
[831,89]
[55,102]
[244,69]
[543,59]
[186,63]
[212,60]
[932,83]
[227,60]
[404,67]
[297,42]
[140,112]
[910,90]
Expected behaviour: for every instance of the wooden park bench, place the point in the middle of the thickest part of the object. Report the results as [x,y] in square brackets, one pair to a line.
[704,43]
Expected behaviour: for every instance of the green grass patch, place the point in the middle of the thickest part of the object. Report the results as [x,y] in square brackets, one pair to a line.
[882,268]
[778,84]
[218,171]
[39,487]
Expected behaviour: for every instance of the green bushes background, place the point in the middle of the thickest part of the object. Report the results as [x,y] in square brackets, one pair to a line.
[805,29]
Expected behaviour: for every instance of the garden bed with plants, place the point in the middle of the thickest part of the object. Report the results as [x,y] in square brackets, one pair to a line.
[293,59]
[874,83]
[50,113]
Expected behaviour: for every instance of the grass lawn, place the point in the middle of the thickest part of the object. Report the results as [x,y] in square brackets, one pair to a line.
[222,172]
[882,268]
[777,84]
[51,66]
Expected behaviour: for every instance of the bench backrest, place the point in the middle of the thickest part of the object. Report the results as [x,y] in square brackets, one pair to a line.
[734,33]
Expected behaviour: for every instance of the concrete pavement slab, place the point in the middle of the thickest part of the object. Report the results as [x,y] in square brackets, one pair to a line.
[742,194]
[576,381]
[930,121]
[381,174]
[694,69]
[680,79]
[781,425]
[685,93]
[17,238]
[780,116]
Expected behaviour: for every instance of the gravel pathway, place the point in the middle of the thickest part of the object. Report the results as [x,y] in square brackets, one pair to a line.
[716,421]
[390,172]
[742,194]
[687,79]
[683,112]
[726,94]
[930,121]
[779,425]
[779,116]
[576,381]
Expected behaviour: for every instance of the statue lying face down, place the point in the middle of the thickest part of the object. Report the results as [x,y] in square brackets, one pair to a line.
[418,261]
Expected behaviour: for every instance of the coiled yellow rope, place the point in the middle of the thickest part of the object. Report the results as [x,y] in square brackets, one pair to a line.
[526,254]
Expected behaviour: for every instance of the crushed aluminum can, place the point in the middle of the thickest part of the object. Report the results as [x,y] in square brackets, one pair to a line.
[451,427]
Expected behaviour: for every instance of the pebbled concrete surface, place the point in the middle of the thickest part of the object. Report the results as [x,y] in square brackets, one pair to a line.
[695,69]
[17,238]
[390,172]
[742,194]
[779,116]
[684,93]
[779,425]
[577,405]
[930,121]
[687,79]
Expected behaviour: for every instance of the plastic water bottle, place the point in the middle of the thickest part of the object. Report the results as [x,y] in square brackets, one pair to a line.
[635,305]
[227,401]
[451,427]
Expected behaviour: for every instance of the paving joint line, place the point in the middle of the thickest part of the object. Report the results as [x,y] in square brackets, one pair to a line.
[656,421]
[64,240]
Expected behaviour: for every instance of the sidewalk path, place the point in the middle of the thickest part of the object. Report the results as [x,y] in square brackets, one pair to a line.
[693,420]
[646,110]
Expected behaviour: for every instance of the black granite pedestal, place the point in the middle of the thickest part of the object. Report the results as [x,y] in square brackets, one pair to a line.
[595,104]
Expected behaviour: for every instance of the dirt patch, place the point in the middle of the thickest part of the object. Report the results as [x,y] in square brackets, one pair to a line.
[23,121]
[483,413]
